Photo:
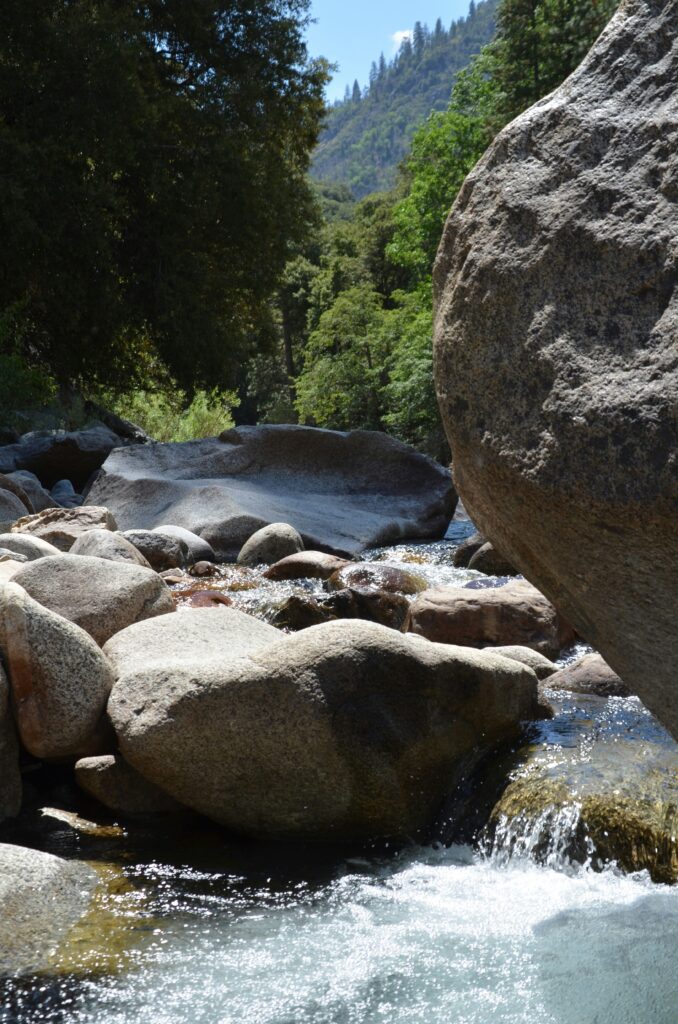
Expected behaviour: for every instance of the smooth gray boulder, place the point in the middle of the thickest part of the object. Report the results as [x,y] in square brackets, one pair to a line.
[556,360]
[591,674]
[112,546]
[9,483]
[10,776]
[342,492]
[55,455]
[199,550]
[540,665]
[346,730]
[100,596]
[115,784]
[59,678]
[41,898]
[25,544]
[62,526]
[161,551]
[11,508]
[191,638]
[270,544]
[39,497]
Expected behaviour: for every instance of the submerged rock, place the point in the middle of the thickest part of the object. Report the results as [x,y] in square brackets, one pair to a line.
[555,347]
[513,615]
[342,492]
[380,577]
[41,898]
[101,596]
[344,731]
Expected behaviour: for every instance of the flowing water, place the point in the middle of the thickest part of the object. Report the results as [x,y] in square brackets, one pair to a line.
[217,931]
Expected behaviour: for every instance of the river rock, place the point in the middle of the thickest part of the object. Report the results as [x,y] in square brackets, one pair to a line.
[41,898]
[114,783]
[9,483]
[101,596]
[55,455]
[160,551]
[9,568]
[10,776]
[11,508]
[555,347]
[198,548]
[467,549]
[591,674]
[28,546]
[381,577]
[301,611]
[346,730]
[198,638]
[306,565]
[342,492]
[513,615]
[488,560]
[105,544]
[60,680]
[40,499]
[270,544]
[541,666]
[62,526]
[65,495]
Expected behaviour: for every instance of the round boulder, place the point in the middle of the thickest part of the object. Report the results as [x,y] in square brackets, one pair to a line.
[111,546]
[161,551]
[199,550]
[380,577]
[591,674]
[270,544]
[306,565]
[101,596]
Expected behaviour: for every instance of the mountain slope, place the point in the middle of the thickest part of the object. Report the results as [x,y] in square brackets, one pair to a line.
[368,134]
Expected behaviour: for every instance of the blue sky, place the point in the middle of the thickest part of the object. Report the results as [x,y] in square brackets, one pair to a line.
[352,33]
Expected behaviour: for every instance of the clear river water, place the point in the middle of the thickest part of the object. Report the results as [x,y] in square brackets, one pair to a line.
[205,929]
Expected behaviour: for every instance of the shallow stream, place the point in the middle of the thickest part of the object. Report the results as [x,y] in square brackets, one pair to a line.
[215,931]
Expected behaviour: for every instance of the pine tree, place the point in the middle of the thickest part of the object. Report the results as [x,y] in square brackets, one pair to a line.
[356,95]
[419,39]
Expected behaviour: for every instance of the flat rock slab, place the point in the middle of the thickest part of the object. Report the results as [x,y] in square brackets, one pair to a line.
[342,492]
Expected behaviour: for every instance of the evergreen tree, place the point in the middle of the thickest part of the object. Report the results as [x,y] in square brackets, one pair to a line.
[356,95]
[418,39]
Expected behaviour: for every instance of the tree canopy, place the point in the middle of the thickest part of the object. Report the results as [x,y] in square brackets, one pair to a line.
[153,160]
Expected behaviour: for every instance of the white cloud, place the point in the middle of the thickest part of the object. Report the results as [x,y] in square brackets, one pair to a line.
[398,38]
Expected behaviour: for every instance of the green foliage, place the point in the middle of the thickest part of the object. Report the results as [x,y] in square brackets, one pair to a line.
[153,161]
[168,415]
[23,388]
[366,137]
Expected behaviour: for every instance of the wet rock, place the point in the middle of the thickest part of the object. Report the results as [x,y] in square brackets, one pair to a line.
[62,526]
[488,560]
[10,777]
[205,599]
[299,612]
[382,577]
[197,638]
[541,666]
[270,544]
[513,615]
[59,678]
[345,730]
[115,784]
[306,565]
[161,551]
[40,499]
[101,596]
[591,674]
[467,549]
[381,606]
[555,347]
[57,455]
[111,546]
[342,492]
[41,898]
[198,549]
[204,570]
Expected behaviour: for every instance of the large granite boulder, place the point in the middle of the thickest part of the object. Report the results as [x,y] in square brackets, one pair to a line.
[100,596]
[41,898]
[347,730]
[11,508]
[556,358]
[60,680]
[53,455]
[342,492]
[62,526]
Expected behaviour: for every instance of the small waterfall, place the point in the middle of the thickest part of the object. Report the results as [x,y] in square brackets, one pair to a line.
[556,837]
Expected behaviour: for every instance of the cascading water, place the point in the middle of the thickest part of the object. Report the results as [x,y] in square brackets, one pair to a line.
[525,929]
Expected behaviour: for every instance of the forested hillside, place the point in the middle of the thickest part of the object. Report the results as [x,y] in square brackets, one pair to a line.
[369,132]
